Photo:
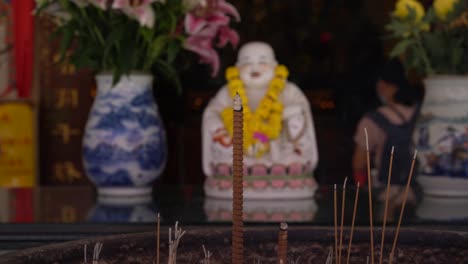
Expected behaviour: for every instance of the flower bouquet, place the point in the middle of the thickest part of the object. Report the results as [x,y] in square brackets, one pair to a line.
[434,42]
[121,36]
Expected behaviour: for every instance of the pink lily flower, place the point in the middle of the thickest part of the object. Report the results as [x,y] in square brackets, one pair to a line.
[207,23]
[194,24]
[143,11]
[227,35]
[227,8]
[203,47]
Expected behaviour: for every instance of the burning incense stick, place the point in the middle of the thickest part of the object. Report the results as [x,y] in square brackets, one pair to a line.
[352,223]
[369,183]
[283,243]
[237,201]
[403,207]
[342,218]
[158,238]
[386,205]
[336,223]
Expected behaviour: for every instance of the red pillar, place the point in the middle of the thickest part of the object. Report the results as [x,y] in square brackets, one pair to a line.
[23,32]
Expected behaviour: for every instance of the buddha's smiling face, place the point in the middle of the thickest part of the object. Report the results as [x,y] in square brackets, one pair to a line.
[256,63]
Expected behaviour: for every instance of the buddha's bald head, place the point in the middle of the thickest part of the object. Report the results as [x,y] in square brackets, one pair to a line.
[256,62]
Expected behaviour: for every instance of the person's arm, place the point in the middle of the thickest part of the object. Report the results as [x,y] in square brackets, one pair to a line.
[359,162]
[359,165]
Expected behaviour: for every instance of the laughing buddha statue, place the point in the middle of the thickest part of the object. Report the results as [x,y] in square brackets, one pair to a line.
[280,150]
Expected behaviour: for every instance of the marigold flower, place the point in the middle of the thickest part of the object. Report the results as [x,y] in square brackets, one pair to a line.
[281,71]
[232,73]
[277,107]
[277,84]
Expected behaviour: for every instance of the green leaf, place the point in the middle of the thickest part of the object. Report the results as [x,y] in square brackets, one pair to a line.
[173,22]
[170,73]
[401,47]
[400,29]
[430,16]
[117,74]
[172,51]
[435,45]
[147,33]
[456,58]
[157,46]
[415,61]
[65,43]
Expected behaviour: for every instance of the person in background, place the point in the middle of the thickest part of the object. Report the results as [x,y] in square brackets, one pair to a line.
[389,125]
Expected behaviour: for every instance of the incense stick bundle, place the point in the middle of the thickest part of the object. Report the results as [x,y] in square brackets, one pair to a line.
[356,198]
[369,183]
[336,223]
[342,218]
[386,205]
[158,238]
[402,207]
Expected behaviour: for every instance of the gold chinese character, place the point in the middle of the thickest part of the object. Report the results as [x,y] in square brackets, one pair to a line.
[65,131]
[66,172]
[68,214]
[67,97]
[65,67]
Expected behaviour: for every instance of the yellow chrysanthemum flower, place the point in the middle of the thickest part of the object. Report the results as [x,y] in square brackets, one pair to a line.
[403,6]
[443,7]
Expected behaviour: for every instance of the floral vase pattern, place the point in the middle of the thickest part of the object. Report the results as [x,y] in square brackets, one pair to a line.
[441,136]
[124,146]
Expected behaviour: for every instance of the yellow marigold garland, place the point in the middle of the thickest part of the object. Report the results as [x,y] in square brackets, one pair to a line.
[265,124]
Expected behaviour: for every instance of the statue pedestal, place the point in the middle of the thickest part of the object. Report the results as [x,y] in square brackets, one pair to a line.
[264,187]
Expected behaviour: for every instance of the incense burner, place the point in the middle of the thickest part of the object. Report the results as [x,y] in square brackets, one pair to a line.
[305,245]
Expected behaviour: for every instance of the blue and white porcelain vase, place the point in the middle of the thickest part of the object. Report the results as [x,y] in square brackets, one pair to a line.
[441,136]
[124,145]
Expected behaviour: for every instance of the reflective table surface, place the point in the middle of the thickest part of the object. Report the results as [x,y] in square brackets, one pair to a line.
[36,216]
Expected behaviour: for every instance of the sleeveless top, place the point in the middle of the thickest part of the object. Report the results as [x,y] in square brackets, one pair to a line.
[400,137]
